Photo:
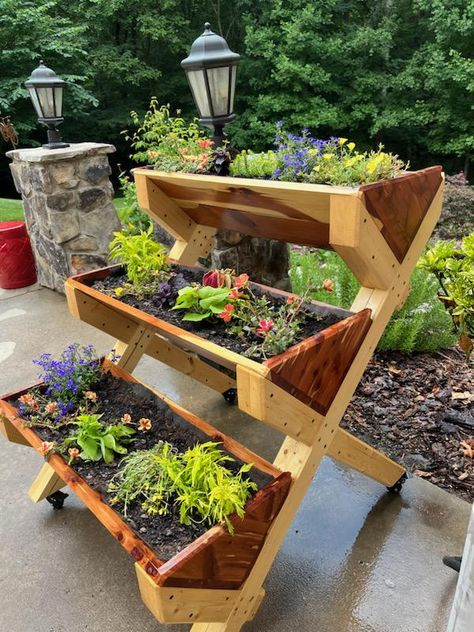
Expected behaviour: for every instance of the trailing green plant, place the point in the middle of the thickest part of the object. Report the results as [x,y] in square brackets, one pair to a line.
[197,481]
[145,261]
[134,220]
[454,270]
[248,164]
[98,440]
[420,325]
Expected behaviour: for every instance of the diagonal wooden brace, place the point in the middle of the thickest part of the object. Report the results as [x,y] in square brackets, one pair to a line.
[46,483]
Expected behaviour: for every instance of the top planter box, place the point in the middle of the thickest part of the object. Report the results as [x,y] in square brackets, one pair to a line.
[299,213]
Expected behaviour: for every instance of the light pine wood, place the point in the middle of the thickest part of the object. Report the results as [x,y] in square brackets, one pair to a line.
[46,483]
[10,432]
[198,245]
[347,449]
[355,236]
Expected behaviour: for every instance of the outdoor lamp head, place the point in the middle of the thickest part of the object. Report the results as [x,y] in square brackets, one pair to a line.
[211,70]
[46,93]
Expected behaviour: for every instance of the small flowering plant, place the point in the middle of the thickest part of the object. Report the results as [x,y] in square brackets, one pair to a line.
[66,379]
[97,440]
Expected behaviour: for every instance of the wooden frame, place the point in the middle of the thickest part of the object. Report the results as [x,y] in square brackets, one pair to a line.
[380,230]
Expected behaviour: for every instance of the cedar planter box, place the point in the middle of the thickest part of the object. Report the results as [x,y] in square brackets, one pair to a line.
[310,370]
[289,211]
[214,560]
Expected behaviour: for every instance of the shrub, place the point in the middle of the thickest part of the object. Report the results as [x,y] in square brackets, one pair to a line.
[134,220]
[421,324]
[250,165]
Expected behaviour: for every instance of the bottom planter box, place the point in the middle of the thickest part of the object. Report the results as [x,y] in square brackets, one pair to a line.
[215,560]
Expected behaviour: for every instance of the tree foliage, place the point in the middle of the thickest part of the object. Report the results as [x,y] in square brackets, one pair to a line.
[401,73]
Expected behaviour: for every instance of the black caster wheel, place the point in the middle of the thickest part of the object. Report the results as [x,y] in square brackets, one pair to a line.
[57,499]
[230,395]
[396,488]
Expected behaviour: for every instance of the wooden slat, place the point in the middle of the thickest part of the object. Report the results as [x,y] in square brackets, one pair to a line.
[401,205]
[314,369]
[347,449]
[8,430]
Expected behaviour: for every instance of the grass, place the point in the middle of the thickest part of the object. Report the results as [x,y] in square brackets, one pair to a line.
[11,210]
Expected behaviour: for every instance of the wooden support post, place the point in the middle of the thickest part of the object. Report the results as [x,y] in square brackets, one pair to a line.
[198,245]
[46,483]
[356,454]
[354,235]
[128,354]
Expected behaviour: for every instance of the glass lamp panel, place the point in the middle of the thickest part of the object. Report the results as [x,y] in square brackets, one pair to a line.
[58,99]
[197,81]
[219,87]
[233,70]
[35,101]
[45,96]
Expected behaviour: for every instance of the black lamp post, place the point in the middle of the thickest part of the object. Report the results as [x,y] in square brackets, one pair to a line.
[46,93]
[211,69]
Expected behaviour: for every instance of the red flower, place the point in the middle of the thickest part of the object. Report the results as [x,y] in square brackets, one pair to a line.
[226,315]
[264,327]
[211,278]
[205,143]
[242,280]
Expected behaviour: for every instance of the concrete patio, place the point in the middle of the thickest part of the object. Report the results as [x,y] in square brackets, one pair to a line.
[355,560]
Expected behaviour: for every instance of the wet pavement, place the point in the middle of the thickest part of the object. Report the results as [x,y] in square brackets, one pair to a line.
[356,559]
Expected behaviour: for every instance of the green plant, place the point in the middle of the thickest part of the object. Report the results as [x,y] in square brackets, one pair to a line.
[250,165]
[454,269]
[201,302]
[420,325]
[134,220]
[144,260]
[169,142]
[197,481]
[97,440]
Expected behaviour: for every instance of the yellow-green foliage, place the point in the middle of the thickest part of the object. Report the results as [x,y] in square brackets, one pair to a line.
[250,165]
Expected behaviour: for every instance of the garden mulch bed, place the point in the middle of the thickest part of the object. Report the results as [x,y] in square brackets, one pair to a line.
[164,534]
[417,409]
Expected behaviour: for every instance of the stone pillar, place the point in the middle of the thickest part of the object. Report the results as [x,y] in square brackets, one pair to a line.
[265,261]
[67,198]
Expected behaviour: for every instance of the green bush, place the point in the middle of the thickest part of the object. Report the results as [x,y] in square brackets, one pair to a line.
[134,220]
[421,325]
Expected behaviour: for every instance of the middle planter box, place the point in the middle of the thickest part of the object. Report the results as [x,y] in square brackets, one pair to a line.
[311,370]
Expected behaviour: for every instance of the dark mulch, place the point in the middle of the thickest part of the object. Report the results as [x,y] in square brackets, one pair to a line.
[164,534]
[215,330]
[417,409]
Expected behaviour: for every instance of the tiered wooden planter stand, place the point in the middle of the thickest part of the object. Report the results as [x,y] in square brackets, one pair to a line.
[380,231]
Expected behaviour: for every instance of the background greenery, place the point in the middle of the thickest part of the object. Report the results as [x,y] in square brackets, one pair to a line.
[400,73]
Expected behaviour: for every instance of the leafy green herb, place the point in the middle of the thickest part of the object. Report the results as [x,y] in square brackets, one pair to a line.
[97,440]
[201,302]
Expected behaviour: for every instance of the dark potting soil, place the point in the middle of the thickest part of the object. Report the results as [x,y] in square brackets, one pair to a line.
[215,330]
[115,397]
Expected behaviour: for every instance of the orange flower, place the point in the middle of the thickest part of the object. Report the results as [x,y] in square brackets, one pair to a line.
[29,401]
[144,424]
[73,453]
[205,143]
[46,447]
[234,293]
[242,280]
[328,285]
[292,299]
[90,395]
[226,315]
[152,154]
[126,419]
[51,407]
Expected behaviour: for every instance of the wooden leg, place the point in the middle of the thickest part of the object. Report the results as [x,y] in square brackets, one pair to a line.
[128,355]
[199,244]
[11,433]
[353,452]
[46,483]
